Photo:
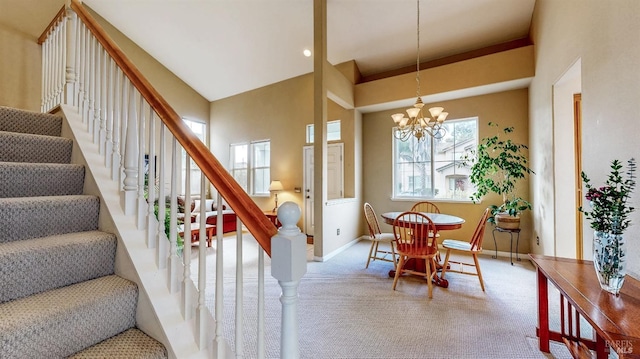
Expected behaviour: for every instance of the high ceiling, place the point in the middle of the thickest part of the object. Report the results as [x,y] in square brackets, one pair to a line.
[225,47]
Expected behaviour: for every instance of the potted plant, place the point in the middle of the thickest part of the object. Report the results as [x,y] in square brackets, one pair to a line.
[497,166]
[609,217]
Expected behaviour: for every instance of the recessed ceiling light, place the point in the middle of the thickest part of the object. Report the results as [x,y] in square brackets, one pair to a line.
[307,52]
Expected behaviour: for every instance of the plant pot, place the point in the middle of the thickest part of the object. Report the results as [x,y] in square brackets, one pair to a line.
[507,221]
[609,260]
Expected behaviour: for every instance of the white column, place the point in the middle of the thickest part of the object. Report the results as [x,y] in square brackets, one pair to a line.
[288,266]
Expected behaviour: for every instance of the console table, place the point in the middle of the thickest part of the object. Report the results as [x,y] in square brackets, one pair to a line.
[615,319]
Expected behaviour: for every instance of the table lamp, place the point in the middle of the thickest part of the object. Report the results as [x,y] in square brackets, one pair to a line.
[276,186]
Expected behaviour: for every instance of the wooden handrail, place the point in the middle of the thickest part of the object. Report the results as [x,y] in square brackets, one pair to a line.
[244,207]
[55,19]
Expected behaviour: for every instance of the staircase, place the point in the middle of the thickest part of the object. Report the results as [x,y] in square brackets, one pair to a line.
[59,296]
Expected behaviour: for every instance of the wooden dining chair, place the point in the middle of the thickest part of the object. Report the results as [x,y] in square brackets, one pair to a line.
[473,247]
[425,206]
[376,236]
[413,239]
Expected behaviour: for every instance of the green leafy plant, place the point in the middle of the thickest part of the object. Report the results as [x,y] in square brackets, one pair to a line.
[610,209]
[497,166]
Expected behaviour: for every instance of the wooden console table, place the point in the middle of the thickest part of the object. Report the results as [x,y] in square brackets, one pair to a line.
[615,320]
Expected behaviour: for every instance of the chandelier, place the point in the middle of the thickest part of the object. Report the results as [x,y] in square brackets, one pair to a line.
[417,124]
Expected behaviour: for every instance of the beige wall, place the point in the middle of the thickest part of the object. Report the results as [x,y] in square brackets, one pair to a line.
[506,108]
[605,35]
[20,64]
[280,113]
[186,101]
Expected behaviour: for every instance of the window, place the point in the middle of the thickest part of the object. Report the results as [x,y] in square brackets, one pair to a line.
[431,169]
[251,166]
[199,129]
[333,131]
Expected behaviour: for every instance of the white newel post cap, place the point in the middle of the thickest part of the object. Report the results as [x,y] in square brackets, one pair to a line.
[289,246]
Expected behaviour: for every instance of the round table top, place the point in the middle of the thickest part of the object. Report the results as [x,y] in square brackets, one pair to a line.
[440,220]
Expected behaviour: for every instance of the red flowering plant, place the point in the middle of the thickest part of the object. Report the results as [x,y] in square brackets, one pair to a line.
[609,203]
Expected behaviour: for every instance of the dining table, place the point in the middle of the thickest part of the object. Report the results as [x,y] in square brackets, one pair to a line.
[441,222]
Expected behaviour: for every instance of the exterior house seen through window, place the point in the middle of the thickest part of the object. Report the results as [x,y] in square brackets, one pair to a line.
[251,166]
[430,169]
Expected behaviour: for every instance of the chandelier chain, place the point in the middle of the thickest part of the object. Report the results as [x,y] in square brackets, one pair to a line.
[418,47]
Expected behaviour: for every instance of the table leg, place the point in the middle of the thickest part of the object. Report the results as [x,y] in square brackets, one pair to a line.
[495,244]
[517,244]
[543,312]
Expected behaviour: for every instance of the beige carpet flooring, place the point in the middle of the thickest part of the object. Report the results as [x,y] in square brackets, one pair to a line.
[347,311]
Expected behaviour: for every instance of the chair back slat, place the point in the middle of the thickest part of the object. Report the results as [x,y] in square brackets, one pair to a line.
[413,234]
[372,220]
[478,234]
[425,206]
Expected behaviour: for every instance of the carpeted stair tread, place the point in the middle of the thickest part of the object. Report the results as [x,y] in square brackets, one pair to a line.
[16,120]
[35,265]
[33,217]
[130,344]
[21,179]
[66,320]
[22,147]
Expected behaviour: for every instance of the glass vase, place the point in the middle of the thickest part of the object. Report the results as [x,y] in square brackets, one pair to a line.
[609,256]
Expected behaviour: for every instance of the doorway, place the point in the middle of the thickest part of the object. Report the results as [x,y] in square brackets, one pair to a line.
[335,180]
[567,163]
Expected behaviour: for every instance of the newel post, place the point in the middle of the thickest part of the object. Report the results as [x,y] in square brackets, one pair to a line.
[288,265]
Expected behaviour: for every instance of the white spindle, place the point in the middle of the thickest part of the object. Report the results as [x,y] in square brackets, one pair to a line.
[187,283]
[117,122]
[124,121]
[239,286]
[97,107]
[102,135]
[108,150]
[87,77]
[92,83]
[174,260]
[288,265]
[142,203]
[80,56]
[219,314]
[131,157]
[70,54]
[152,240]
[261,314]
[161,252]
[201,310]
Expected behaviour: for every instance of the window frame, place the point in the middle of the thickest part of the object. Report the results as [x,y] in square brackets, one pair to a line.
[196,172]
[432,175]
[251,170]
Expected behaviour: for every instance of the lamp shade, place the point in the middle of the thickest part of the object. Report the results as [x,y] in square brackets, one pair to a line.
[276,186]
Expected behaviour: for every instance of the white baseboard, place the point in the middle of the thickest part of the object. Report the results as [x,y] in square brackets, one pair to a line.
[338,251]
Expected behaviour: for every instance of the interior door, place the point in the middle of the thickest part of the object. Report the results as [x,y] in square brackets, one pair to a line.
[308,190]
[335,180]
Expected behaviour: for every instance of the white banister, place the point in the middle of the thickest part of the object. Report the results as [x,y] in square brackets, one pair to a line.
[288,266]
[120,118]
